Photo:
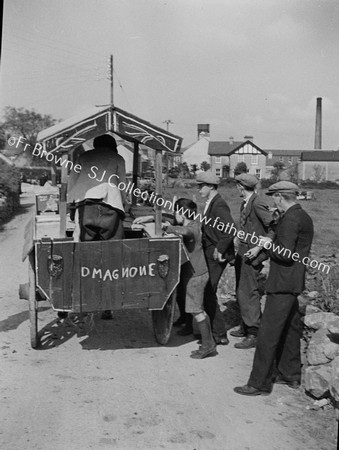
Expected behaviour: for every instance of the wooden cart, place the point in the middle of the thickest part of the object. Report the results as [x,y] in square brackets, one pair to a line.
[140,271]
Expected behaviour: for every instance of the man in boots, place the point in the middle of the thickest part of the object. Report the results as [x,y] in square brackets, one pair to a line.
[255,220]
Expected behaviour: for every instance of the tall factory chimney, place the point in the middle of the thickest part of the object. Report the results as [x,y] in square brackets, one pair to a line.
[318,118]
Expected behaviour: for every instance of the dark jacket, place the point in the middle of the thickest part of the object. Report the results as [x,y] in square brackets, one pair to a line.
[258,219]
[294,234]
[214,231]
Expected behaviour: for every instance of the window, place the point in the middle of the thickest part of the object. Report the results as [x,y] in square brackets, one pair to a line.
[290,159]
[281,158]
[217,159]
[218,172]
[254,159]
[270,155]
[258,173]
[241,158]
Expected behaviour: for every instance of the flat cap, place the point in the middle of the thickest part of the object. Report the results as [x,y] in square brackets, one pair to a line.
[247,180]
[105,140]
[207,177]
[283,187]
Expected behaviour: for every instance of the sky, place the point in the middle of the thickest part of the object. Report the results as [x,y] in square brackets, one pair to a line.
[246,67]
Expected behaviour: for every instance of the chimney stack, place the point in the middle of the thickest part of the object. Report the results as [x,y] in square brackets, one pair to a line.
[203,128]
[248,138]
[318,119]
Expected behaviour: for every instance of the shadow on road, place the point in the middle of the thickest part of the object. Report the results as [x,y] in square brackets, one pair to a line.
[127,330]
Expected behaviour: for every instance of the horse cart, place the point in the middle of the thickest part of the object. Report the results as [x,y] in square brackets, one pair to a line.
[140,271]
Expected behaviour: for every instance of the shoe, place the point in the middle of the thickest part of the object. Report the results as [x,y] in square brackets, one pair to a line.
[106,315]
[238,333]
[293,384]
[186,331]
[250,341]
[249,390]
[221,340]
[204,353]
[180,321]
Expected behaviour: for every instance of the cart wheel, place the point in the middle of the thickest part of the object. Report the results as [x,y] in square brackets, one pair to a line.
[33,307]
[163,320]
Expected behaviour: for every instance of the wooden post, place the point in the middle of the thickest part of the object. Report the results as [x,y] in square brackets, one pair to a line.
[158,191]
[135,170]
[63,196]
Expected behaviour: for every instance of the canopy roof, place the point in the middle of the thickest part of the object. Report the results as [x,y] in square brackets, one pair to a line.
[66,135]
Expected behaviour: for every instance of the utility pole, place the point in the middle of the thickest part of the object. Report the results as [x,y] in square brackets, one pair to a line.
[111,80]
[168,122]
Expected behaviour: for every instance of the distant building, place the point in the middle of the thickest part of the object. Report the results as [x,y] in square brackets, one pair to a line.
[225,155]
[197,152]
[319,165]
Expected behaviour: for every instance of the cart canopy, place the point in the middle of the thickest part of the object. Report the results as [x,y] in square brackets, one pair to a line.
[70,133]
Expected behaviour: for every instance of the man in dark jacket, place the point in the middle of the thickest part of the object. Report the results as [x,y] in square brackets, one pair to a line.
[218,248]
[277,354]
[255,220]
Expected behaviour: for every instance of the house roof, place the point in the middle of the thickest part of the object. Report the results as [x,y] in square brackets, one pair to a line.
[278,152]
[320,155]
[222,148]
[227,148]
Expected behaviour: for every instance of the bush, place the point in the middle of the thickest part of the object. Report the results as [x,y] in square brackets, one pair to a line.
[10,190]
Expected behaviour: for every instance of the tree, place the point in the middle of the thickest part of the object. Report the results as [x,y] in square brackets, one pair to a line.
[240,168]
[194,168]
[205,166]
[24,122]
[184,170]
[279,167]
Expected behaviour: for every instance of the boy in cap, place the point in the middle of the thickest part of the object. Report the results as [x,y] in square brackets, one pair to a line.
[255,220]
[277,354]
[194,274]
[218,248]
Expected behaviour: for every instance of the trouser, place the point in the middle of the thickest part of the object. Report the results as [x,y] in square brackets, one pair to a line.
[211,306]
[99,222]
[278,343]
[248,296]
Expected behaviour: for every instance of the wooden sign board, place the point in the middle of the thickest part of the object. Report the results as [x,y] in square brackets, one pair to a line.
[96,276]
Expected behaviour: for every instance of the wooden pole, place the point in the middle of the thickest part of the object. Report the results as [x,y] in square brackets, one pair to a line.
[135,170]
[63,196]
[158,191]
[111,79]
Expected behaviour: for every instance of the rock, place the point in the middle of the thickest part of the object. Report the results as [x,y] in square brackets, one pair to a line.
[319,320]
[334,380]
[333,327]
[317,380]
[310,309]
[313,294]
[331,350]
[316,346]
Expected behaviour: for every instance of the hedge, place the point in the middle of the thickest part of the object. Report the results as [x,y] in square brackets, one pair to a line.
[9,190]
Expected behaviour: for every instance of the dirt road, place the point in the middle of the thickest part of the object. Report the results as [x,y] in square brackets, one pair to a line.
[107,384]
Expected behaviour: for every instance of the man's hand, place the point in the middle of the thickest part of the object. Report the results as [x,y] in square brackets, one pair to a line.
[252,253]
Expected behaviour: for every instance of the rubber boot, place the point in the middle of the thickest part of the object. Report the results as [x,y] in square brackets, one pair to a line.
[208,345]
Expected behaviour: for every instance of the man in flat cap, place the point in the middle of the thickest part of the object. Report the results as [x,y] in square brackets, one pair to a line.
[94,192]
[218,248]
[277,354]
[255,220]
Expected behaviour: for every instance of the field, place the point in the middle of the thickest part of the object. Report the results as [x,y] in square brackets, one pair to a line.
[324,211]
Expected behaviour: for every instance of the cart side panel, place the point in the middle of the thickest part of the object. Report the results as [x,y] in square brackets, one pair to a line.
[95,276]
[54,267]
